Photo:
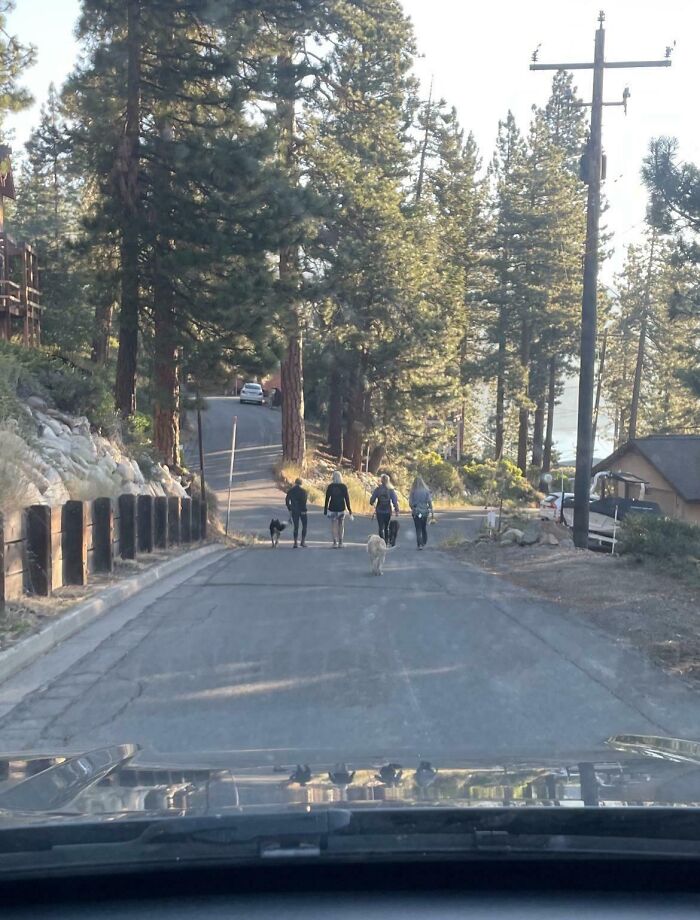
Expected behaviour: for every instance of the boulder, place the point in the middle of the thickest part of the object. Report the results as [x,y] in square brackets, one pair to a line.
[82,427]
[50,424]
[548,539]
[56,494]
[510,536]
[126,471]
[138,475]
[567,543]
[66,420]
[531,534]
[36,402]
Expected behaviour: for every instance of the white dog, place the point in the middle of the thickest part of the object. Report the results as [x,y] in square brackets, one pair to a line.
[376,547]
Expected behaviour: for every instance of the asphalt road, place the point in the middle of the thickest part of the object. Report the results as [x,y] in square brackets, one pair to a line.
[254,497]
[301,654]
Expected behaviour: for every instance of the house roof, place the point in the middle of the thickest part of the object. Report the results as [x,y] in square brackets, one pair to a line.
[675,456]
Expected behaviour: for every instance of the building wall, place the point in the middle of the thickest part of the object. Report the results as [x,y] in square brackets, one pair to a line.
[659,489]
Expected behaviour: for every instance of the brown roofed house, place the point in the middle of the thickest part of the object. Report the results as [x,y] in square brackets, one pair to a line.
[669,467]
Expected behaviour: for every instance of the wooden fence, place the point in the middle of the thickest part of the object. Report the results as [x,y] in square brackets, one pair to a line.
[43,548]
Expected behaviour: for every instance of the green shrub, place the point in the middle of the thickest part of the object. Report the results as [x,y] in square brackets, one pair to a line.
[10,373]
[491,478]
[69,387]
[136,434]
[659,537]
[440,475]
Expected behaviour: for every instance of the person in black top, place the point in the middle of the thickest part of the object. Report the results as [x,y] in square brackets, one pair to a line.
[337,502]
[384,498]
[296,505]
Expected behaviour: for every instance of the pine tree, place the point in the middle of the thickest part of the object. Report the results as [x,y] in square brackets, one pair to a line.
[674,189]
[52,200]
[505,298]
[186,196]
[15,58]
[650,348]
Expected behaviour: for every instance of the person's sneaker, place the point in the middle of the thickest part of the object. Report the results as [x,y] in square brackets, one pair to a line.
[303,544]
[340,545]
[335,545]
[295,546]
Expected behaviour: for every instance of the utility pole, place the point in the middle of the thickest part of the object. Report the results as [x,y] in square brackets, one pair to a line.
[593,167]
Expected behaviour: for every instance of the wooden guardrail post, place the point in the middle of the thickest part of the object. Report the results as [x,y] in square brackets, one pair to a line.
[75,521]
[146,523]
[196,519]
[127,526]
[186,520]
[173,520]
[102,535]
[39,550]
[161,522]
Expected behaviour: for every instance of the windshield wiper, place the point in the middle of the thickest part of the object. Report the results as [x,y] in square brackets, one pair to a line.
[337,835]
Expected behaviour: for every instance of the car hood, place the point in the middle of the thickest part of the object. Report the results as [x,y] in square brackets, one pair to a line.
[125,781]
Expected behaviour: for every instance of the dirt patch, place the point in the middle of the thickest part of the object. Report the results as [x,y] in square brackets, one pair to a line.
[635,602]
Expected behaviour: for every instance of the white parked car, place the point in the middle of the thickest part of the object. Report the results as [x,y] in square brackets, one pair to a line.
[252,393]
[550,506]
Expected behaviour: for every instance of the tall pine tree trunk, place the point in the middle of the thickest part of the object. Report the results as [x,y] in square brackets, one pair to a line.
[101,331]
[335,413]
[166,396]
[524,412]
[501,384]
[354,430]
[376,458]
[538,432]
[551,403]
[641,346]
[599,389]
[293,428]
[127,170]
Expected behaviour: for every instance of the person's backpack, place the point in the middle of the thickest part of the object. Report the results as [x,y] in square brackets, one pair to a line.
[384,500]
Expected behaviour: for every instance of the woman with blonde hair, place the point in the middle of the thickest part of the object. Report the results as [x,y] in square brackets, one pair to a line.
[421,502]
[383,499]
[337,502]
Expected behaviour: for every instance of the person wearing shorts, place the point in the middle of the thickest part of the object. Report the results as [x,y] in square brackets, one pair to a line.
[336,505]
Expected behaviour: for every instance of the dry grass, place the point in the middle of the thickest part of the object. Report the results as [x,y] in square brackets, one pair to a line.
[286,473]
[637,604]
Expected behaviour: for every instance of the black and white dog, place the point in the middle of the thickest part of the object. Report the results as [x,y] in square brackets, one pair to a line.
[393,531]
[276,528]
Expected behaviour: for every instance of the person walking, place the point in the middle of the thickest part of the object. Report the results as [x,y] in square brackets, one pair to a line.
[421,502]
[296,500]
[383,499]
[337,503]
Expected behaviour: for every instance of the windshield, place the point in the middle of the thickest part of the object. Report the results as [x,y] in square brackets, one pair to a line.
[311,315]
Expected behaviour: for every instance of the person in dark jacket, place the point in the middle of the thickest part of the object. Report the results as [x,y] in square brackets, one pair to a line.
[421,502]
[296,500]
[337,503]
[384,499]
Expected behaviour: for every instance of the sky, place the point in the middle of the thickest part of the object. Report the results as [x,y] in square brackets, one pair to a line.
[478,55]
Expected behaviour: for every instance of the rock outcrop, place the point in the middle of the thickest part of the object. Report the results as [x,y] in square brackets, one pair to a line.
[49,457]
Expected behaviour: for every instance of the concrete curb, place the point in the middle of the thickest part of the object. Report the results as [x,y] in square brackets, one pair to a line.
[27,650]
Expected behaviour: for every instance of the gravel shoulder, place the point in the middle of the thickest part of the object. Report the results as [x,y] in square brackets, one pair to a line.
[634,602]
